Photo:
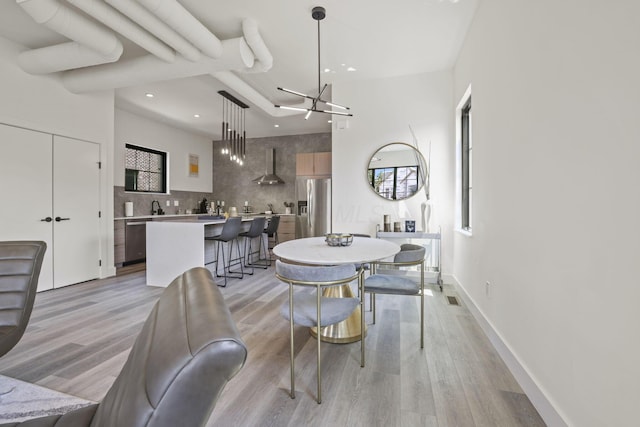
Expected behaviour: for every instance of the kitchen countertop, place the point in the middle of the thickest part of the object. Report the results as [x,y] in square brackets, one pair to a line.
[194,216]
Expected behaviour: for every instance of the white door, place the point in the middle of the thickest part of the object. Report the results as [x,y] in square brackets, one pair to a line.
[76,206]
[26,191]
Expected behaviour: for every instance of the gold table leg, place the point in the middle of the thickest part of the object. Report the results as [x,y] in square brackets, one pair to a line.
[346,331]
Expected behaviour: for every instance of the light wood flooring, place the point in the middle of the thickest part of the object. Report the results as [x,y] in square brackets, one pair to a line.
[79,337]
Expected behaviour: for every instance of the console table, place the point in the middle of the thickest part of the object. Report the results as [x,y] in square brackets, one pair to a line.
[434,237]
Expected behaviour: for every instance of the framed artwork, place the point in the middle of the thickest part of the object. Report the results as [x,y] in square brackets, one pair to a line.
[193,164]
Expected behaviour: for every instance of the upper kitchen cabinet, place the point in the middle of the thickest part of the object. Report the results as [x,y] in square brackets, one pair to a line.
[313,164]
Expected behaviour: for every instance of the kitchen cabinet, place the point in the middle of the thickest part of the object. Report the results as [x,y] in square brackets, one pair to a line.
[118,243]
[130,237]
[135,237]
[313,164]
[287,228]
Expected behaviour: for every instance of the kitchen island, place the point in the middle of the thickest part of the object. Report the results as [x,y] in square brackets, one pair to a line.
[176,246]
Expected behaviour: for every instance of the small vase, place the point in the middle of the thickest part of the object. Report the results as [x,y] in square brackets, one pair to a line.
[426,216]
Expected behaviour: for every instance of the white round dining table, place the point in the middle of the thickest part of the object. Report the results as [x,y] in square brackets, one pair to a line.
[315,251]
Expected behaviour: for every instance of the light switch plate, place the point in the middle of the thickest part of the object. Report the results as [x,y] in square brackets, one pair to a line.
[176,203]
[168,203]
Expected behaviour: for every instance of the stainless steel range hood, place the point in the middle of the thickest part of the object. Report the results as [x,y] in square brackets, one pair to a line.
[270,176]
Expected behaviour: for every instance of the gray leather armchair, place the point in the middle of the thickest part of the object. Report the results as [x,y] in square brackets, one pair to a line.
[187,351]
[20,264]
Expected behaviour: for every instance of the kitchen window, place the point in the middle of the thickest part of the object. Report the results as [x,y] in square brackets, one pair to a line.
[145,170]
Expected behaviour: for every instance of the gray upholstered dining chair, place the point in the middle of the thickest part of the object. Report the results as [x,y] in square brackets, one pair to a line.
[256,231]
[189,348]
[394,284]
[20,264]
[228,235]
[313,309]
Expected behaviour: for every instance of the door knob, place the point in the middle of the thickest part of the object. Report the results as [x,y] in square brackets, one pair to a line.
[47,219]
[58,219]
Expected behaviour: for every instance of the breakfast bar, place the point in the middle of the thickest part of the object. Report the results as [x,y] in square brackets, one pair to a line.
[173,247]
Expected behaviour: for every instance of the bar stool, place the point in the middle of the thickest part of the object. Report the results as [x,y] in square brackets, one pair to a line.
[229,234]
[272,232]
[255,231]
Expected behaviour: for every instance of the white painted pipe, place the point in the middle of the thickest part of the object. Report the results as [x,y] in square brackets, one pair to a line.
[255,97]
[177,17]
[155,26]
[72,25]
[121,24]
[236,55]
[61,57]
[264,59]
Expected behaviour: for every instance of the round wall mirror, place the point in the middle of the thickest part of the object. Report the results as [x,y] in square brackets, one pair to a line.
[397,171]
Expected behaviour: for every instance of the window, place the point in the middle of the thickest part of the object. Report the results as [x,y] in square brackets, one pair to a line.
[466,156]
[394,183]
[145,170]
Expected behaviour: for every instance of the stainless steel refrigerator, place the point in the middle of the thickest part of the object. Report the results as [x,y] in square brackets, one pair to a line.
[313,216]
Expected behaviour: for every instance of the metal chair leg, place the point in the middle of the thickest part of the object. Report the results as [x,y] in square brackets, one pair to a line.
[318,334]
[292,392]
[362,330]
[238,261]
[373,307]
[223,264]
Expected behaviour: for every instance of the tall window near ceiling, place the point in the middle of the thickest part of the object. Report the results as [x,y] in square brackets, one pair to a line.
[465,161]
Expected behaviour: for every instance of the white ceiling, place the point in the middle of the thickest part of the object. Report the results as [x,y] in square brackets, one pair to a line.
[378,38]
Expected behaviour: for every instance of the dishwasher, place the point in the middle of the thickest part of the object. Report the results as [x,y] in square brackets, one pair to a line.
[135,245]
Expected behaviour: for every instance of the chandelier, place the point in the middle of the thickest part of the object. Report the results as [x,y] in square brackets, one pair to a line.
[318,13]
[234,137]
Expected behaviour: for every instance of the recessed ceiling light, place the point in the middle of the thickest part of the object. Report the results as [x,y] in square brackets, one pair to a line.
[351,69]
[329,121]
[196,115]
[276,126]
[343,65]
[326,70]
[148,95]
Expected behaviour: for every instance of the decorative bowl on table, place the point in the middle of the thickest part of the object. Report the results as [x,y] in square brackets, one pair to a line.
[338,239]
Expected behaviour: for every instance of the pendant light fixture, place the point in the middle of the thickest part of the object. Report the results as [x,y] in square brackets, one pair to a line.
[234,136]
[318,13]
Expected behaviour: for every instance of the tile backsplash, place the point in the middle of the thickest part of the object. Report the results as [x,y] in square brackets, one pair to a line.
[142,201]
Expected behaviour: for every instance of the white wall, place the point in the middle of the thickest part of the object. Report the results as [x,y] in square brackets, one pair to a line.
[555,198]
[137,130]
[43,104]
[383,111]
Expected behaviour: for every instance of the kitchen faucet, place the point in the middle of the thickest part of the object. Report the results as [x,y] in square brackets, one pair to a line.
[159,211]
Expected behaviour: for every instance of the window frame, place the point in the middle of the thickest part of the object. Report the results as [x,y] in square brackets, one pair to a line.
[164,174]
[464,164]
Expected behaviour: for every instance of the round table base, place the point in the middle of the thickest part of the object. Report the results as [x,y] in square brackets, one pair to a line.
[348,330]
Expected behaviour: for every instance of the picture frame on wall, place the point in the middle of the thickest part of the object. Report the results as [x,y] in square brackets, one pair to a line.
[194,165]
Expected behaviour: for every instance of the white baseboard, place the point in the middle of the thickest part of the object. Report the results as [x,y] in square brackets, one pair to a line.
[535,394]
[108,272]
